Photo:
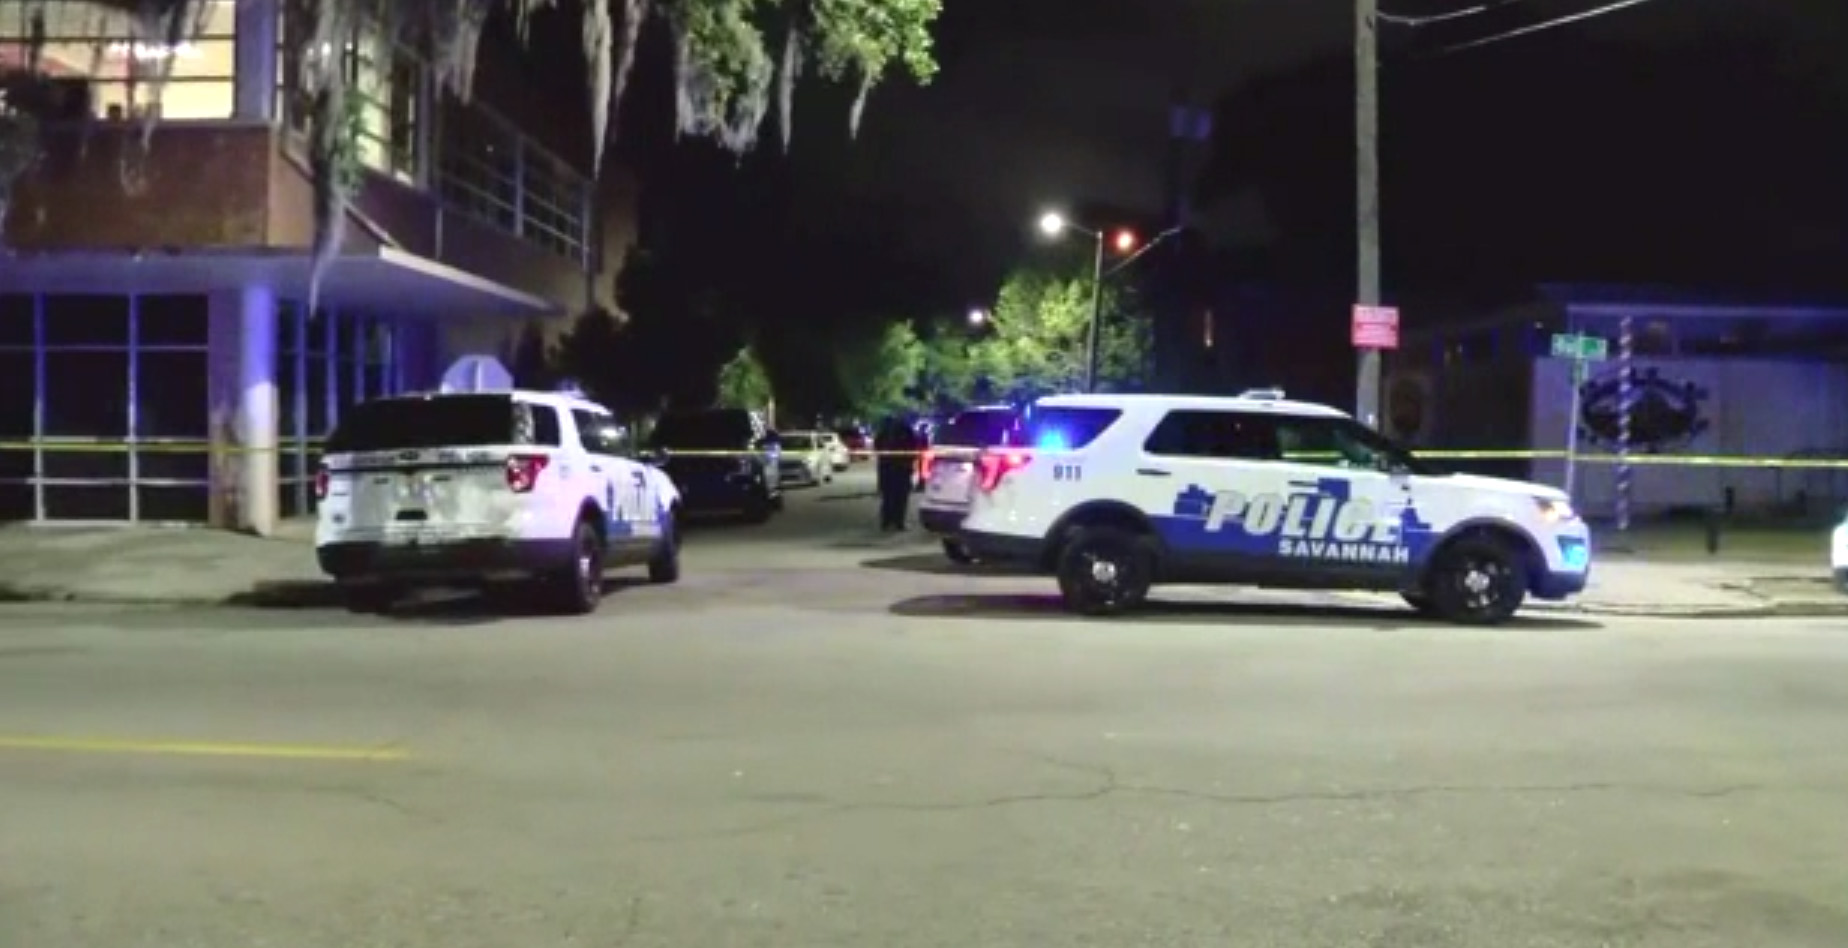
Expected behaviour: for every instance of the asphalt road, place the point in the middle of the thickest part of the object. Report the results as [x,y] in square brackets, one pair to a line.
[810,752]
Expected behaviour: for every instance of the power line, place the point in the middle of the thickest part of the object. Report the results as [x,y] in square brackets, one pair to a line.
[1542,25]
[1398,19]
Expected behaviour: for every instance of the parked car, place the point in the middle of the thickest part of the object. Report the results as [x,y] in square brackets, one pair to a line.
[492,490]
[838,455]
[947,469]
[858,440]
[723,460]
[805,459]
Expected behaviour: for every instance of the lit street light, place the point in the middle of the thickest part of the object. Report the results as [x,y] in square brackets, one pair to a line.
[1054,224]
[977,317]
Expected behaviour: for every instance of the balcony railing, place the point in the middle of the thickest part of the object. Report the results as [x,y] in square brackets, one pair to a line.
[472,159]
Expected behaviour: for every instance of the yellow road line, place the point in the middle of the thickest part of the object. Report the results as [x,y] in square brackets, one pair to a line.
[83,745]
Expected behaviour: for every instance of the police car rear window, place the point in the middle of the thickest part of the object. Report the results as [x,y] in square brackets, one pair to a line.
[980,428]
[1067,429]
[457,421]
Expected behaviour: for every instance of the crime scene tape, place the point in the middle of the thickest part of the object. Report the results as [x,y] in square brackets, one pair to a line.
[312,446]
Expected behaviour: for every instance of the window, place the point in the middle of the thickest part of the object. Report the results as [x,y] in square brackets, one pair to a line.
[113,64]
[1215,434]
[384,81]
[600,433]
[980,428]
[423,423]
[1067,429]
[1341,443]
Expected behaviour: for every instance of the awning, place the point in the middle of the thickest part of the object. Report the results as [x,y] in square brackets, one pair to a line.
[384,280]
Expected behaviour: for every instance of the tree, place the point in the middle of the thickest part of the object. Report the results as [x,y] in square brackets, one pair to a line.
[1037,337]
[881,376]
[724,67]
[743,383]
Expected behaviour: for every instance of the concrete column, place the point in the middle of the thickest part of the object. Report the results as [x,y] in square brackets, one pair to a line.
[242,367]
[259,23]
[257,354]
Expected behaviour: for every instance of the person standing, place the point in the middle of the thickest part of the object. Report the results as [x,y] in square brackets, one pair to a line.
[895,446]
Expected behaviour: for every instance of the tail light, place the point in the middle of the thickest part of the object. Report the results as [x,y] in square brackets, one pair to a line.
[996,465]
[523,471]
[321,479]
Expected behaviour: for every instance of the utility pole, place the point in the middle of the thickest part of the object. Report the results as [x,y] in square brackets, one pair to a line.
[1367,195]
[1094,334]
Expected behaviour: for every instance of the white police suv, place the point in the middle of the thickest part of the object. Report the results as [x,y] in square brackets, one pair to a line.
[487,488]
[1115,493]
[1838,554]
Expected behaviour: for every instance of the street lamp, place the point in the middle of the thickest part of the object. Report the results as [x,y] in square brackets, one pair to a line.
[1054,224]
[978,317]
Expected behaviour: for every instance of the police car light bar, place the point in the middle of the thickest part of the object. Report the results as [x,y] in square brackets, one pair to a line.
[1263,394]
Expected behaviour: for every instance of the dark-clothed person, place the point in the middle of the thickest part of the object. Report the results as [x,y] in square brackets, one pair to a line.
[895,444]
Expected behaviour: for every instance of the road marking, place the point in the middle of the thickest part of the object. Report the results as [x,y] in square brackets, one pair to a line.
[82,745]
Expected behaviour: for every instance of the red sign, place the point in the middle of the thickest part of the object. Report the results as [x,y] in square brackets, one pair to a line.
[1376,327]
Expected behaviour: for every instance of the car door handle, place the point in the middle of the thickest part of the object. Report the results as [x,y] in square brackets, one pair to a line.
[1152,472]
[594,469]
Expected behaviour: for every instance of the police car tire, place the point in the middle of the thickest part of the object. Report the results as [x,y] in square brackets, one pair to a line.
[1135,568]
[1445,585]
[573,592]
[664,567]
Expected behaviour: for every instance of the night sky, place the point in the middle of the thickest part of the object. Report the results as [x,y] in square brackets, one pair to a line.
[1616,125]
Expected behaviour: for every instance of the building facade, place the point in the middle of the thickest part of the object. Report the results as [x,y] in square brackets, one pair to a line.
[1710,378]
[158,360]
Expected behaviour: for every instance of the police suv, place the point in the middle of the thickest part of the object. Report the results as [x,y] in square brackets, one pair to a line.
[1838,554]
[1115,493]
[488,488]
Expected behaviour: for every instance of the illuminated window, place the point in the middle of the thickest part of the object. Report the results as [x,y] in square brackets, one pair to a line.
[383,81]
[115,63]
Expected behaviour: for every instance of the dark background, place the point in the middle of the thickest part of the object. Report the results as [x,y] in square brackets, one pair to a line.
[1688,142]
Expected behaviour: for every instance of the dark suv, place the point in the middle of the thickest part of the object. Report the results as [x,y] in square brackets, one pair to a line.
[724,460]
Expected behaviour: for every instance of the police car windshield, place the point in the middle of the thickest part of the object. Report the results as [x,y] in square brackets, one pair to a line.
[979,428]
[452,421]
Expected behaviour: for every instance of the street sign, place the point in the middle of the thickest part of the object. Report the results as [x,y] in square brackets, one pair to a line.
[1375,327]
[1580,348]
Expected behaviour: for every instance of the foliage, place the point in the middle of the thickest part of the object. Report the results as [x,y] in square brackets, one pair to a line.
[743,382]
[1034,343]
[723,64]
[881,377]
[1036,340]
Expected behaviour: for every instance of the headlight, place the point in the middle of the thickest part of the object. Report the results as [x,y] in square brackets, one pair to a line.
[1555,511]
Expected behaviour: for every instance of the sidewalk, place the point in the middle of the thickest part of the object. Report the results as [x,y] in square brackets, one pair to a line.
[205,567]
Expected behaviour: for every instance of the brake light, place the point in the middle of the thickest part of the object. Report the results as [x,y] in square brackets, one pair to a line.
[523,471]
[996,465]
[322,477]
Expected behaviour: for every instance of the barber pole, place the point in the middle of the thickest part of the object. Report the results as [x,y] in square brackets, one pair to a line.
[1626,396]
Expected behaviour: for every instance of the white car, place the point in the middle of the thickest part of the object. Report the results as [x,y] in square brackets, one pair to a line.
[805,459]
[838,455]
[488,488]
[1838,557]
[1115,493]
[948,469]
